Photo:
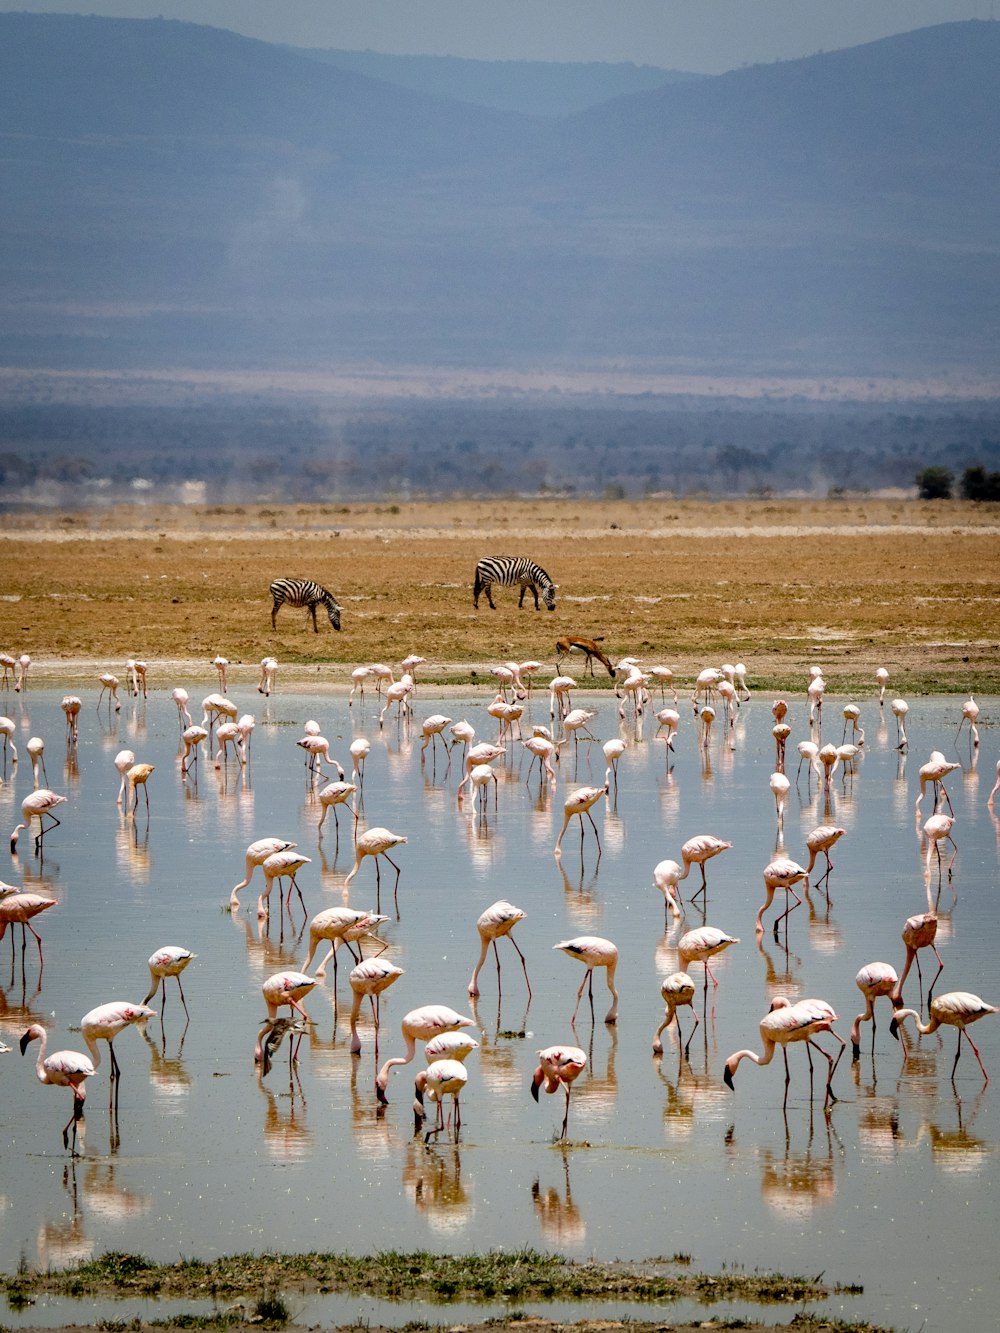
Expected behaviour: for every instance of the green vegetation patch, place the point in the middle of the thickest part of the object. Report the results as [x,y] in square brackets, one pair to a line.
[496,1276]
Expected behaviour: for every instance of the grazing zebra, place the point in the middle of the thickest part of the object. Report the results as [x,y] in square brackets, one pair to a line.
[304,592]
[511,570]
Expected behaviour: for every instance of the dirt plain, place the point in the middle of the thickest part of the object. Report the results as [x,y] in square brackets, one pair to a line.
[777,584]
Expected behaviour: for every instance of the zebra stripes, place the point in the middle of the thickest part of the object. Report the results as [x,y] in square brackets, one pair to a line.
[307,593]
[513,570]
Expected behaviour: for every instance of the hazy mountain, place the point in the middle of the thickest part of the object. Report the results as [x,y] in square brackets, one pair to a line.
[532,87]
[175,194]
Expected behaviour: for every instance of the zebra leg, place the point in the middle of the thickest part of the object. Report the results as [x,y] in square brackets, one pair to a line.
[312,612]
[274,613]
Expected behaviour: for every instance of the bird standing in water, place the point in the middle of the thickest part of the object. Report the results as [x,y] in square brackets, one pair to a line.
[558,1066]
[61,1069]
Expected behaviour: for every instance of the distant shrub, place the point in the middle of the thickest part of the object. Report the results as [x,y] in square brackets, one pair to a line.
[934,483]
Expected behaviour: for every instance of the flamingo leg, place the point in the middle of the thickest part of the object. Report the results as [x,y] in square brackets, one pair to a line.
[524,964]
[784,915]
[565,1122]
[975,1050]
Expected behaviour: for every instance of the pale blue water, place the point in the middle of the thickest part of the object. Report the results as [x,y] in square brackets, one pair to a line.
[896,1188]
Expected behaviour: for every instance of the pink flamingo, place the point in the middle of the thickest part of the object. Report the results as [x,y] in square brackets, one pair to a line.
[137,670]
[919,932]
[431,728]
[71,705]
[315,746]
[376,842]
[358,677]
[36,806]
[124,760]
[874,980]
[23,663]
[900,708]
[781,873]
[337,926]
[109,686]
[192,737]
[221,665]
[35,747]
[268,671]
[935,771]
[229,733]
[937,829]
[698,946]
[665,876]
[593,951]
[7,730]
[496,922]
[955,1009]
[677,990]
[441,1078]
[280,989]
[668,720]
[541,749]
[369,977]
[104,1024]
[420,1025]
[821,839]
[279,866]
[61,1069]
[180,697]
[881,680]
[580,803]
[785,1023]
[970,714]
[331,796]
[698,850]
[137,776]
[256,854]
[17,909]
[558,1066]
[170,961]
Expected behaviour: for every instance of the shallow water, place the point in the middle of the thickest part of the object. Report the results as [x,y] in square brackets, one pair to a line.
[209,1159]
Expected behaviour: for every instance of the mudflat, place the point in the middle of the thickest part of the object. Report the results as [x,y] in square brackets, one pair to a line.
[778,584]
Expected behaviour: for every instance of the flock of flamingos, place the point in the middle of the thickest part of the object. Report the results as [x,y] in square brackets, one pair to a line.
[224,736]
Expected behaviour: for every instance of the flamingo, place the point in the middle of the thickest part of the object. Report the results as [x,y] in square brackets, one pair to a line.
[496,922]
[668,720]
[698,946]
[873,980]
[215,707]
[441,1078]
[135,675]
[256,854]
[479,779]
[180,697]
[525,670]
[221,665]
[7,730]
[808,754]
[740,681]
[779,710]
[278,866]
[8,664]
[360,749]
[268,670]
[613,751]
[457,1045]
[338,925]
[881,680]
[785,1023]
[409,665]
[995,788]
[780,786]
[677,990]
[431,728]
[245,724]
[280,989]
[558,1066]
[781,732]
[852,713]
[358,677]
[332,795]
[35,747]
[935,771]
[541,749]
[781,873]
[137,776]
[821,839]
[398,694]
[705,685]
[17,909]
[957,1009]
[71,705]
[937,830]
[559,694]
[383,674]
[123,761]
[698,850]
[170,961]
[665,876]
[369,977]
[192,737]
[815,693]
[23,663]
[420,1025]
[463,733]
[900,708]
[664,678]
[228,733]
[104,1024]
[593,951]
[377,842]
[109,686]
[919,932]
[970,714]
[36,806]
[580,803]
[575,724]
[633,687]
[61,1069]
[315,746]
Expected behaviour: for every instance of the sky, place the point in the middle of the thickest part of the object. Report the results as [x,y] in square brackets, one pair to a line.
[703,36]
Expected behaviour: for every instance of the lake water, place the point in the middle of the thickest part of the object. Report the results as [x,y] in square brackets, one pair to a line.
[898,1187]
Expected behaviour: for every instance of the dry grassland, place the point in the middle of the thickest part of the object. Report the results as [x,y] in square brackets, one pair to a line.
[777,584]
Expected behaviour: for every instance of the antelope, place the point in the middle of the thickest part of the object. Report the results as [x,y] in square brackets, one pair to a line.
[588,648]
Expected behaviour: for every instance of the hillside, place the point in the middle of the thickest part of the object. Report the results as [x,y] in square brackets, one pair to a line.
[179,195]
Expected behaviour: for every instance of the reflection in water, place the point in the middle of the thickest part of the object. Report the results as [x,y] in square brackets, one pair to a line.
[559,1219]
[286,1133]
[801,1179]
[432,1178]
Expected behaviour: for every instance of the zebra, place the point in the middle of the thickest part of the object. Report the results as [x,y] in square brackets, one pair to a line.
[304,592]
[511,570]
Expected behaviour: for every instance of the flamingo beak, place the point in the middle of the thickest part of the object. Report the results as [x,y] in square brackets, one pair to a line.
[727,1077]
